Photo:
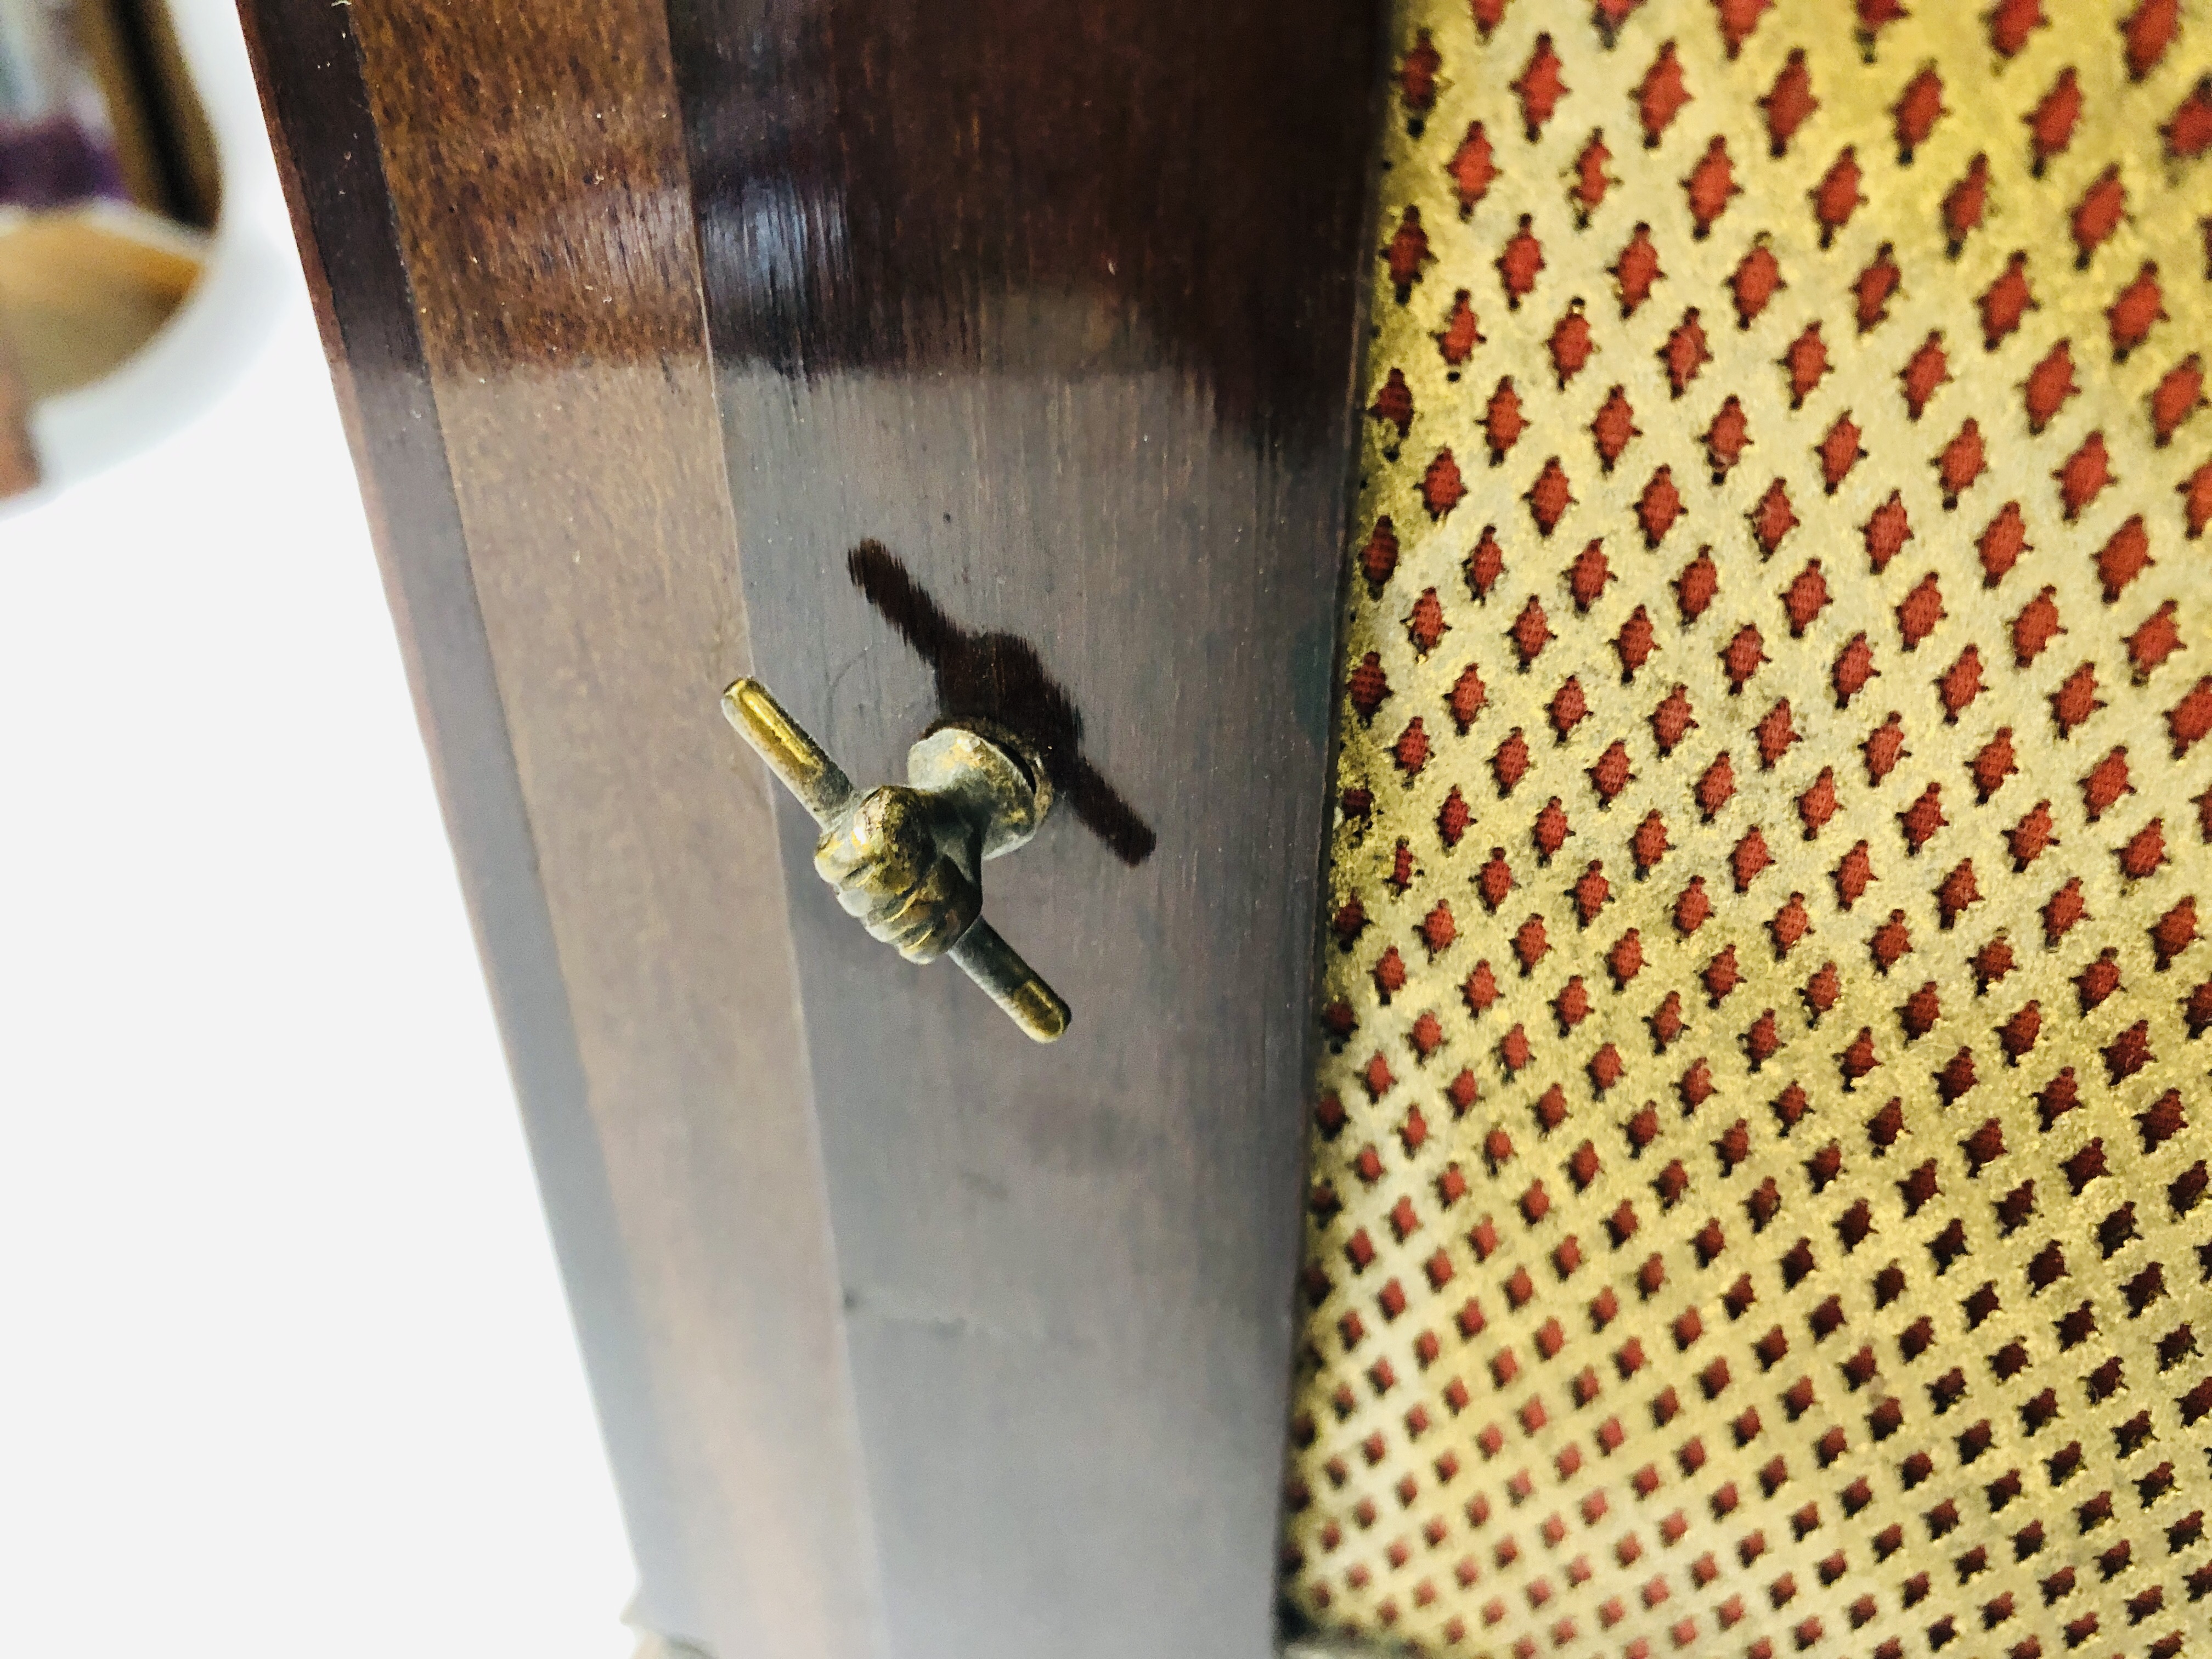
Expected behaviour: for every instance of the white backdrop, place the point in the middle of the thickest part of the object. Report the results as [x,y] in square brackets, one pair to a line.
[284,1365]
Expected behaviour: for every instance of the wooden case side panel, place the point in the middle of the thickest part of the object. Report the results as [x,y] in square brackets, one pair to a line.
[492,202]
[1057,304]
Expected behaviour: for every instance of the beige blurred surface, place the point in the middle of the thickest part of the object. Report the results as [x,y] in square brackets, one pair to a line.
[81,291]
[19,462]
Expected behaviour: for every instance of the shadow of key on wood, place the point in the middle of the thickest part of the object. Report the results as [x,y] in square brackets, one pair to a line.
[999,677]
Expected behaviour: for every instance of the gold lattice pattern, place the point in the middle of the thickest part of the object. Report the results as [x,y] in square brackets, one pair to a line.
[1758,1196]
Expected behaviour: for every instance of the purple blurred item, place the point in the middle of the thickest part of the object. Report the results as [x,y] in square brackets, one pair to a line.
[57,135]
[52,163]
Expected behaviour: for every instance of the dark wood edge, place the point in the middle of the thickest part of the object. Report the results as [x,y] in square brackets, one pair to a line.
[482,186]
[1295,1642]
[307,65]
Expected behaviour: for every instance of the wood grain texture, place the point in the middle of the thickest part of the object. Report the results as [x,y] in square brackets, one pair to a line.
[492,203]
[1056,302]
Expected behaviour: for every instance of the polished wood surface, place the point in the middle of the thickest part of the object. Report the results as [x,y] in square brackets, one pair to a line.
[491,203]
[1053,306]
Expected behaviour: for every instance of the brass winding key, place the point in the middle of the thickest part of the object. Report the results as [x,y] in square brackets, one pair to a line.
[907,858]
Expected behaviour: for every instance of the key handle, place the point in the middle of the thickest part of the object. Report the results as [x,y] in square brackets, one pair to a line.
[982,795]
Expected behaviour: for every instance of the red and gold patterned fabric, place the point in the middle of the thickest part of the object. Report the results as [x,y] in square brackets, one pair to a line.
[1759,1201]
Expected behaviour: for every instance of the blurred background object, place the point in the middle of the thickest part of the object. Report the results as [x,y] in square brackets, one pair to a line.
[58,140]
[289,1364]
[19,466]
[109,182]
[95,101]
[83,290]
